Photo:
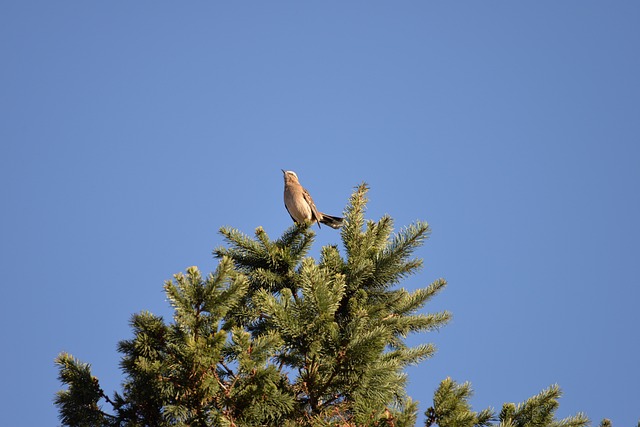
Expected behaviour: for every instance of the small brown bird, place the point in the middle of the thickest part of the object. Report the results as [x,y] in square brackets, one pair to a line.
[300,205]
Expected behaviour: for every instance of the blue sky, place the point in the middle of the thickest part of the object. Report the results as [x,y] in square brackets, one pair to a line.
[132,131]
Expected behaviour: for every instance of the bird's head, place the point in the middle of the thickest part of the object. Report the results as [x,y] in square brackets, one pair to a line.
[289,175]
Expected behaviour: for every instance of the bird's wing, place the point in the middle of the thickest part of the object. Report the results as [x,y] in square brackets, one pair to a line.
[314,211]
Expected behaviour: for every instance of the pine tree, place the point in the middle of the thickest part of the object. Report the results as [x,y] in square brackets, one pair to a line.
[274,337]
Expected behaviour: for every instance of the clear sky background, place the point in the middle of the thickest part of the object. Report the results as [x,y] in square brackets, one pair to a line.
[132,131]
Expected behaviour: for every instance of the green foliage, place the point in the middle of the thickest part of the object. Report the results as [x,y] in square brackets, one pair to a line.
[451,408]
[78,405]
[538,411]
[274,337]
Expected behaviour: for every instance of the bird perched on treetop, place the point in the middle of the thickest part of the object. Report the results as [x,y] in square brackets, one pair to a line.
[300,205]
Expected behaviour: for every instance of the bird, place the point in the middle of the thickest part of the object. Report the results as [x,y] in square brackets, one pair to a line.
[300,206]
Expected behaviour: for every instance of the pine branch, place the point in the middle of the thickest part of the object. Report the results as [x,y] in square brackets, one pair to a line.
[391,263]
[354,221]
[538,411]
[79,403]
[451,407]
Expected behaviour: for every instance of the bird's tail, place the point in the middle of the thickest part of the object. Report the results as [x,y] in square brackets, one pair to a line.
[331,221]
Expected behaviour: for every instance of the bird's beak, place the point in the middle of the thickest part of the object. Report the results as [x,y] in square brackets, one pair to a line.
[283,171]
